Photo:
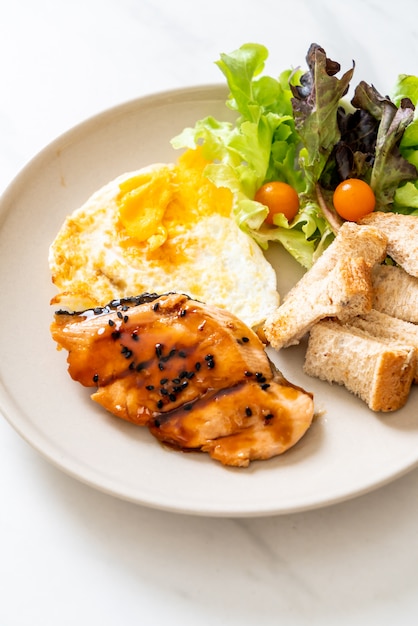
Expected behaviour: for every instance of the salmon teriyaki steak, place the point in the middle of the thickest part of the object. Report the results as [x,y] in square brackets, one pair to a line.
[195,375]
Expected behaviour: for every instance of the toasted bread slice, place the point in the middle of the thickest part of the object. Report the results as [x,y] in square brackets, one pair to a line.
[395,292]
[352,241]
[338,285]
[379,373]
[402,234]
[344,292]
[388,328]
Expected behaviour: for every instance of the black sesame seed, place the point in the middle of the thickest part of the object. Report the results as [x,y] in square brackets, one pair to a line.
[97,310]
[155,306]
[163,391]
[158,349]
[157,423]
[198,366]
[210,361]
[248,412]
[111,323]
[150,387]
[245,339]
[189,375]
[187,407]
[135,336]
[269,416]
[140,367]
[161,367]
[163,381]
[126,319]
[265,386]
[119,314]
[132,365]
[182,354]
[183,312]
[168,356]
[172,397]
[184,384]
[176,381]
[259,375]
[116,334]
[96,378]
[160,404]
[125,308]
[183,374]
[248,374]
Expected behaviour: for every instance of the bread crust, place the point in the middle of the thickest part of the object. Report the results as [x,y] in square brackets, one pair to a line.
[388,329]
[395,292]
[338,285]
[369,341]
[352,241]
[402,235]
[379,373]
[346,291]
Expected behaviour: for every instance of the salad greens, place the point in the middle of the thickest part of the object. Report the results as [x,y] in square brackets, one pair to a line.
[298,128]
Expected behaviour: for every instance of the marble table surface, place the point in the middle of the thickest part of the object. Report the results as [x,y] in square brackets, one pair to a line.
[73,555]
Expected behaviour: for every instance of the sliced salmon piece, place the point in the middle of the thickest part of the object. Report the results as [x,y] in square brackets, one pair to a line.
[251,420]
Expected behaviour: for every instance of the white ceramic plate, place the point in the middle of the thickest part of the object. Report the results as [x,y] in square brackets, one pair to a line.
[347,452]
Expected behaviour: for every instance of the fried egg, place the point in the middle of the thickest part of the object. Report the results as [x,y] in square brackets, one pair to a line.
[159,229]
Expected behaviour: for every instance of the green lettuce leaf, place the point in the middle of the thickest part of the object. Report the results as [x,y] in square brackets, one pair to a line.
[315,105]
[262,145]
[406,195]
[305,239]
[406,198]
[389,168]
[406,86]
[297,128]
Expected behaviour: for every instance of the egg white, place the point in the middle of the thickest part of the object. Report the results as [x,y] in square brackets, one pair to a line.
[221,264]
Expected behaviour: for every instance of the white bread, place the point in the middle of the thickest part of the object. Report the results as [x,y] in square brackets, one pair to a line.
[346,291]
[389,329]
[352,240]
[377,372]
[372,353]
[402,234]
[395,292]
[338,285]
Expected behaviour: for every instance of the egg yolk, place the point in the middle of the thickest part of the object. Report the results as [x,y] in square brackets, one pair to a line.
[157,205]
